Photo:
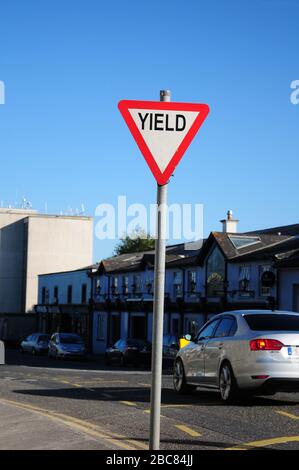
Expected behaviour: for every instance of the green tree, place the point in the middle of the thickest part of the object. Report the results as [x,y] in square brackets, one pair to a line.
[137,241]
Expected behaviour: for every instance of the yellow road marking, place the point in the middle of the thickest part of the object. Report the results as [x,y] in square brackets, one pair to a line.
[74,385]
[128,403]
[187,430]
[289,415]
[83,426]
[265,443]
[169,406]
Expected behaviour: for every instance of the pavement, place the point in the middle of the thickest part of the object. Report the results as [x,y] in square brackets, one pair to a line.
[49,404]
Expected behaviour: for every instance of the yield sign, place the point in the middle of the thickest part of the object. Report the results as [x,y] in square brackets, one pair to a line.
[163,131]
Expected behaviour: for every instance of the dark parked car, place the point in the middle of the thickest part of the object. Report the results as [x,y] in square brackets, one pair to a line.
[125,351]
[170,348]
[66,345]
[37,343]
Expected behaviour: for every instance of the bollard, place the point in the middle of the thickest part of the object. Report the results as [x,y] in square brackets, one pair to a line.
[2,353]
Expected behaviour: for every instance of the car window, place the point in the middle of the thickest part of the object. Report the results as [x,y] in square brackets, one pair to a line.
[117,344]
[43,338]
[227,327]
[275,322]
[208,330]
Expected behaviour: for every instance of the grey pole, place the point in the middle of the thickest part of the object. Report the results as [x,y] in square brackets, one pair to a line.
[158,309]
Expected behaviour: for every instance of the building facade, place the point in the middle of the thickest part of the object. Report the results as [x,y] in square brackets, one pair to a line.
[231,270]
[32,244]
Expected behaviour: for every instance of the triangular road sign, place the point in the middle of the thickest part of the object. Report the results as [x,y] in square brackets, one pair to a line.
[163,131]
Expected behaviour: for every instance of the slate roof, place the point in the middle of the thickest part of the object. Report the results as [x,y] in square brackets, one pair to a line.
[277,244]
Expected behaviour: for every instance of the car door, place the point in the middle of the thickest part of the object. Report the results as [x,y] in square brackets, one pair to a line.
[195,354]
[215,347]
[30,343]
[26,343]
[52,345]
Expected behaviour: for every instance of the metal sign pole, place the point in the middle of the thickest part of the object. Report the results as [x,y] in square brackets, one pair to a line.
[158,310]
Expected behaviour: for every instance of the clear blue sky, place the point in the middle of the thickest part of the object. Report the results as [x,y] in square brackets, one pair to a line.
[67,63]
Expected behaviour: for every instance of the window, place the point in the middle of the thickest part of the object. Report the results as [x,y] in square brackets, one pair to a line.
[177,284]
[100,327]
[149,283]
[69,294]
[207,331]
[244,281]
[98,287]
[136,288]
[191,282]
[56,298]
[243,241]
[125,285]
[226,327]
[114,285]
[83,293]
[215,273]
[273,322]
[264,291]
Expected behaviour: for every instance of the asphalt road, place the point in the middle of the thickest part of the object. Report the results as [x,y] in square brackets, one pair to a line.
[57,404]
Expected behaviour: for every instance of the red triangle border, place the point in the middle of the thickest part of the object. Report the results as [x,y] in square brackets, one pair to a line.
[162,177]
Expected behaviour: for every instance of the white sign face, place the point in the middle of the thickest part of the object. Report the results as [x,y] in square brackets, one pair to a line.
[163,131]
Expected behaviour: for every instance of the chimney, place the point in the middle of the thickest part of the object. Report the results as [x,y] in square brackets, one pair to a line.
[229,225]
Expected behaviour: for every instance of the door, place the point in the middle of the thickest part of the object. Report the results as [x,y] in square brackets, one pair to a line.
[138,330]
[215,347]
[195,354]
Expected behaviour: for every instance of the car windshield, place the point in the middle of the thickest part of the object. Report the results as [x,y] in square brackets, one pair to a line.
[275,322]
[70,340]
[44,338]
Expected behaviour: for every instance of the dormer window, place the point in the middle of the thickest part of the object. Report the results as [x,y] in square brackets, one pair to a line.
[240,241]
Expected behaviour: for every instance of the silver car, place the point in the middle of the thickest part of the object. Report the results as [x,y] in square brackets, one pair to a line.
[253,351]
[66,345]
[37,343]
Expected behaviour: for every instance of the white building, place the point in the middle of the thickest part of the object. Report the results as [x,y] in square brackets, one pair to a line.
[33,244]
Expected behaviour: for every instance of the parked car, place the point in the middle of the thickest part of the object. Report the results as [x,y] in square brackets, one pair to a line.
[125,351]
[171,347]
[66,345]
[36,343]
[253,351]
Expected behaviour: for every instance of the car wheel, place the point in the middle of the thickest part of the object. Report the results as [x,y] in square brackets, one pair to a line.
[33,352]
[179,379]
[227,383]
[21,350]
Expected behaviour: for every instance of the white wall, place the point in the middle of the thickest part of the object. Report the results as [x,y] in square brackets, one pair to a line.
[56,244]
[12,259]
